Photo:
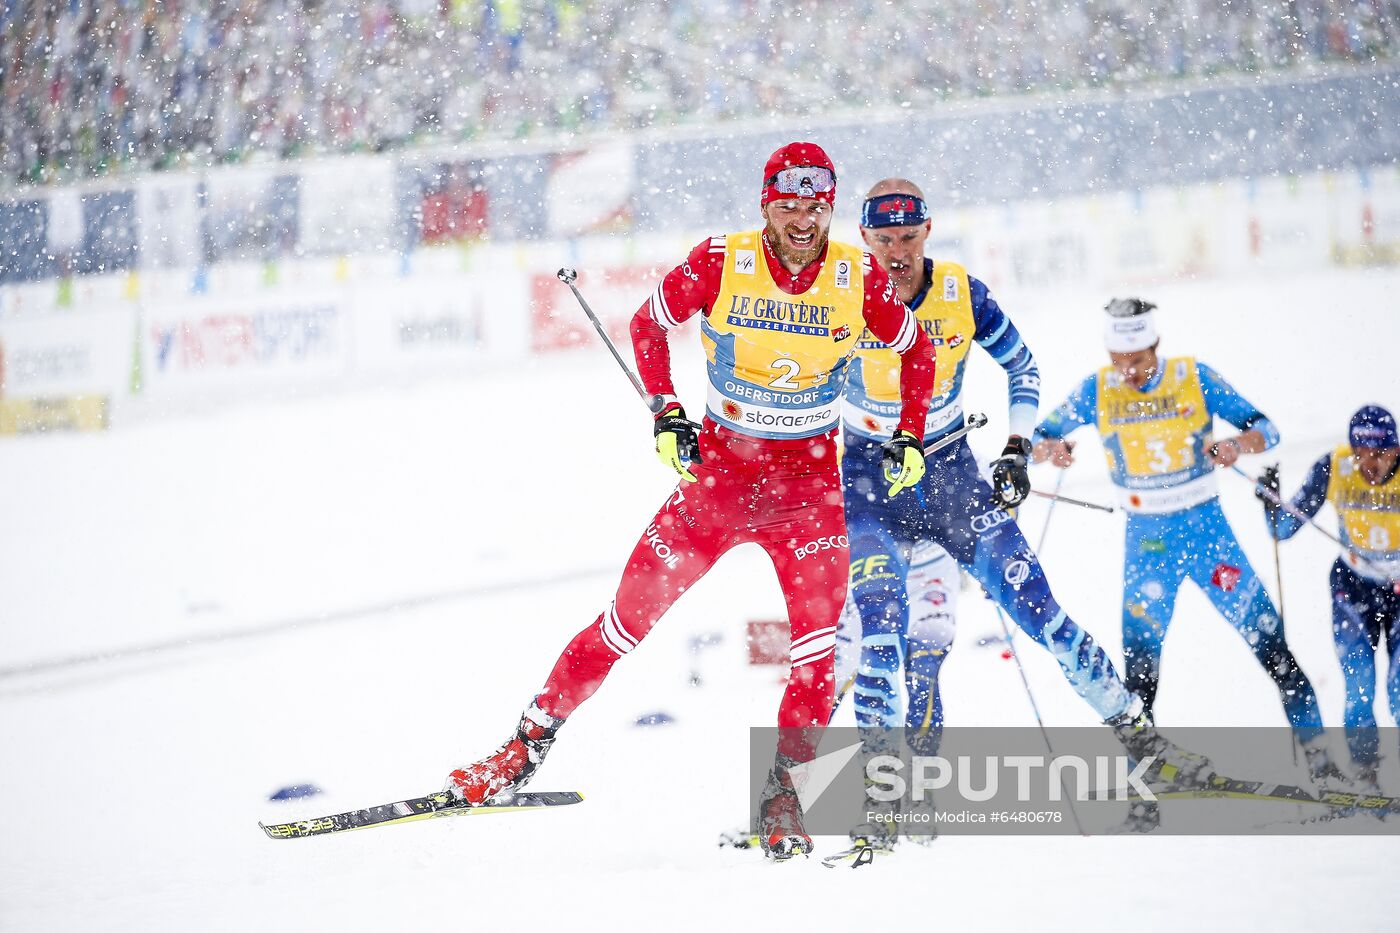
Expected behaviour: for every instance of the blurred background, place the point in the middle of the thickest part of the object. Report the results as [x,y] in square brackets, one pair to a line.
[212,200]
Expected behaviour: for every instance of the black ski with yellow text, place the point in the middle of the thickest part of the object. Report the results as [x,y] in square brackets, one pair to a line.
[1218,787]
[856,856]
[415,808]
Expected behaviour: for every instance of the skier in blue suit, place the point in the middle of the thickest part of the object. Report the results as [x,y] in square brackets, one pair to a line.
[1156,418]
[954,507]
[1362,481]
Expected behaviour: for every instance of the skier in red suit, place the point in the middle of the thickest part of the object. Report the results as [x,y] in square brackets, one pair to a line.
[783,310]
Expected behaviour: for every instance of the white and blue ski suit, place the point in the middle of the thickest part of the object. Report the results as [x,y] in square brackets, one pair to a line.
[953,507]
[1365,585]
[1156,440]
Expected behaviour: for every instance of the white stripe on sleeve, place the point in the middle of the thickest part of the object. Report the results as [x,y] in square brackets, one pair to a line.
[908,332]
[661,312]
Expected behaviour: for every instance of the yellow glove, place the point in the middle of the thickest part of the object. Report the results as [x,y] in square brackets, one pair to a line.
[904,461]
[677,442]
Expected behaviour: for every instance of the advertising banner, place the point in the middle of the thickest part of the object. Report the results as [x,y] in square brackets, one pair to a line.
[76,353]
[60,372]
[243,343]
[53,413]
[419,322]
[613,292]
[167,209]
[250,213]
[346,206]
[591,190]
[455,203]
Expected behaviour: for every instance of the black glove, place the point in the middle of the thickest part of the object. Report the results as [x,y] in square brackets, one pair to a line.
[1011,483]
[1269,480]
[677,442]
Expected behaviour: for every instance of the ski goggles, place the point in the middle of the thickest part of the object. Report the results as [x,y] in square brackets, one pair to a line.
[893,210]
[801,181]
[1128,307]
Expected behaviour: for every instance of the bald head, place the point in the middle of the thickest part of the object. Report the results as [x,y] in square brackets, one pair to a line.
[895,186]
[894,224]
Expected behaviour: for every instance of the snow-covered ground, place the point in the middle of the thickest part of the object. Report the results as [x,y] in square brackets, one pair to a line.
[404,564]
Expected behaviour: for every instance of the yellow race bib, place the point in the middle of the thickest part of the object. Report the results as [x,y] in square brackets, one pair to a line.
[1155,440]
[777,362]
[1369,517]
[872,405]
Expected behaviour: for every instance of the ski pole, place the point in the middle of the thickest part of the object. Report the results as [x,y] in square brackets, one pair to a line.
[1035,708]
[974,421]
[1275,499]
[1278,580]
[840,695]
[1278,576]
[1278,568]
[1050,512]
[652,402]
[1056,497]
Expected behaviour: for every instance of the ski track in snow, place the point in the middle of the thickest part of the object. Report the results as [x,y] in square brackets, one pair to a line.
[411,530]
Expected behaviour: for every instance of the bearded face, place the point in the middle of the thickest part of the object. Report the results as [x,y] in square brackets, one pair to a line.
[798,230]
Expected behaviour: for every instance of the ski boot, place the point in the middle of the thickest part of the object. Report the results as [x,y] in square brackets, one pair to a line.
[1368,780]
[916,828]
[881,831]
[780,829]
[1325,773]
[1173,764]
[1144,816]
[511,766]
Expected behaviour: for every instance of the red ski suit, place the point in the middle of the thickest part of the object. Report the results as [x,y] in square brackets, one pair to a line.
[783,495]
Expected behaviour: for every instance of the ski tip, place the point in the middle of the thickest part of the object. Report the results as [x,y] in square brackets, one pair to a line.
[278,830]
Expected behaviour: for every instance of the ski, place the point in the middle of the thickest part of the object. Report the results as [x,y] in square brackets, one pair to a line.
[739,839]
[856,856]
[415,808]
[1219,787]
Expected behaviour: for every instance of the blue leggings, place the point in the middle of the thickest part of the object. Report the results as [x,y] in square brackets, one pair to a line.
[1160,552]
[933,590]
[952,507]
[1364,612]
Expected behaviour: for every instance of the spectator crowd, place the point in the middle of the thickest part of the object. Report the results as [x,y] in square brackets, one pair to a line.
[92,86]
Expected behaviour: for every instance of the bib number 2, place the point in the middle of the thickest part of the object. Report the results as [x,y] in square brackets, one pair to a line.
[790,369]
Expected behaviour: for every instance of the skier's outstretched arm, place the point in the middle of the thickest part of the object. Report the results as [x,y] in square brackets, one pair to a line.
[1051,435]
